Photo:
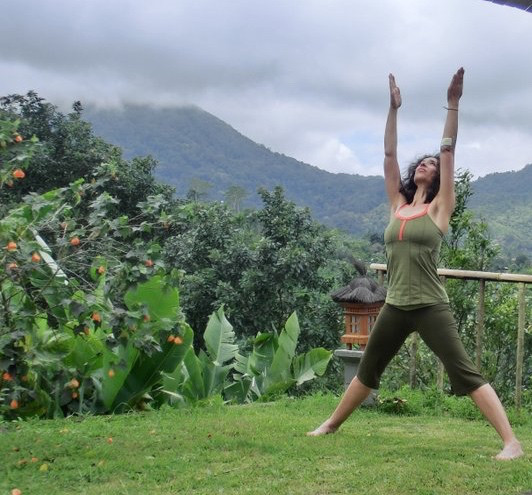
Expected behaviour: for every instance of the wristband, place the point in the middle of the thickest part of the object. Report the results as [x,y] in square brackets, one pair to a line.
[446,143]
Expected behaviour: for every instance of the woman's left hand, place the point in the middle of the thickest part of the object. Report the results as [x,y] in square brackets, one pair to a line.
[454,93]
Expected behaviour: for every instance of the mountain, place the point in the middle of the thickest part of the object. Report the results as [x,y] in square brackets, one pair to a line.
[194,147]
[504,201]
[191,144]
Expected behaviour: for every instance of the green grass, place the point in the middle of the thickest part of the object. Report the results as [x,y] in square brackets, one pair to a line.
[260,449]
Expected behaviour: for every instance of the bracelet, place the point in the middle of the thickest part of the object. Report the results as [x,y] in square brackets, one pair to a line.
[446,143]
[453,109]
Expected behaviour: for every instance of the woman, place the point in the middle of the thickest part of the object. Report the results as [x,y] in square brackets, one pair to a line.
[421,208]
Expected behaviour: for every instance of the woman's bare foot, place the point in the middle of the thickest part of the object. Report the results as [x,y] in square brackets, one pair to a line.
[324,429]
[511,451]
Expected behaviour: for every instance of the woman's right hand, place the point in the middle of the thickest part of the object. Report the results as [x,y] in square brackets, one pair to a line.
[395,94]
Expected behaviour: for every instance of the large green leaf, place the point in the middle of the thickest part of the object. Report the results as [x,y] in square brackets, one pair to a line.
[239,390]
[162,300]
[147,370]
[282,360]
[117,365]
[193,386]
[219,339]
[307,366]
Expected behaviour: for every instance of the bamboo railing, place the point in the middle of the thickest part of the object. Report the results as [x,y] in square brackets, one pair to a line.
[482,277]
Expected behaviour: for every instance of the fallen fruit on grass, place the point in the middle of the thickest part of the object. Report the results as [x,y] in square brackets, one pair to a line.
[13,404]
[16,491]
[35,257]
[34,459]
[44,467]
[148,263]
[19,173]
[74,241]
[178,340]
[110,440]
[11,246]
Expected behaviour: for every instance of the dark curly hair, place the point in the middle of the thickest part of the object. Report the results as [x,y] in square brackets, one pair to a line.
[408,186]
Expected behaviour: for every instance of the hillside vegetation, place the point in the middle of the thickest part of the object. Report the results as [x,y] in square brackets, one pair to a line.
[196,150]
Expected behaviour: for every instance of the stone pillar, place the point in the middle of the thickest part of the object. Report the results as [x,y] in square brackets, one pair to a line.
[351,360]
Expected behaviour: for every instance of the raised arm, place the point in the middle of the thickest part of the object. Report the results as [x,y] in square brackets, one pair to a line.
[392,174]
[446,196]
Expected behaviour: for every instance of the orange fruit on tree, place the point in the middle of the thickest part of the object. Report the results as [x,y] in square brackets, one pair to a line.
[11,246]
[96,317]
[7,377]
[111,373]
[35,257]
[170,338]
[101,270]
[74,395]
[148,263]
[146,318]
[19,173]
[74,383]
[178,340]
[13,404]
[74,241]
[18,138]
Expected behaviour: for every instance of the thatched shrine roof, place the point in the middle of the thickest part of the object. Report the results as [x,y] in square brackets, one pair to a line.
[360,290]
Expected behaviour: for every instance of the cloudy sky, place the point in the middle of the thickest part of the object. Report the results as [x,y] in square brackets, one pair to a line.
[307,78]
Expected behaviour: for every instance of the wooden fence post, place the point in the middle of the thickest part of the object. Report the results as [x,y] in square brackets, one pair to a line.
[480,322]
[520,347]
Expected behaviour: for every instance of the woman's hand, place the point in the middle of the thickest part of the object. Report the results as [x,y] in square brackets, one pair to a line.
[395,94]
[454,93]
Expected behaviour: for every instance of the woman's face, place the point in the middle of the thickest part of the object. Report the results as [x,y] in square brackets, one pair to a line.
[426,170]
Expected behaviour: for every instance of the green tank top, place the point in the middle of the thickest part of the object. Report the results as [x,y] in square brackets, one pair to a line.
[412,252]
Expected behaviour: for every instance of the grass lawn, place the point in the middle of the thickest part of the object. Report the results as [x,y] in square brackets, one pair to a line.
[260,449]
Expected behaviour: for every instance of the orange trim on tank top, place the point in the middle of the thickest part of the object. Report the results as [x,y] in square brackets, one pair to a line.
[405,219]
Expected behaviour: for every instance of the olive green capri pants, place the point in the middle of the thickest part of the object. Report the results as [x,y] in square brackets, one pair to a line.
[437,327]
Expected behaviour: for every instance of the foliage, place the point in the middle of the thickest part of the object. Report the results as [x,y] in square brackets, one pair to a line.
[69,150]
[273,367]
[189,142]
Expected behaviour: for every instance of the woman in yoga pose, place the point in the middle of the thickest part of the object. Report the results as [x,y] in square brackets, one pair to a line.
[420,209]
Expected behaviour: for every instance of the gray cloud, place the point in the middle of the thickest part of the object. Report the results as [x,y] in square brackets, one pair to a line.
[308,79]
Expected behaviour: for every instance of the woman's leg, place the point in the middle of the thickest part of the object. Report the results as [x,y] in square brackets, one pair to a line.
[440,333]
[355,394]
[489,404]
[386,338]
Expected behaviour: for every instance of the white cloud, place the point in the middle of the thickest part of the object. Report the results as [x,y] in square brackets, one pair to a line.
[308,79]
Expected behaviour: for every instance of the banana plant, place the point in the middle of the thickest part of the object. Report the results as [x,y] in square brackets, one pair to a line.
[204,376]
[273,367]
[128,373]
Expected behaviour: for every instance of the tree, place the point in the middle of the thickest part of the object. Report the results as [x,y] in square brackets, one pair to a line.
[234,197]
[69,151]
